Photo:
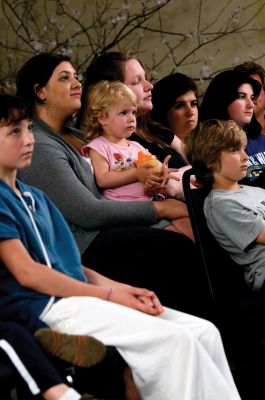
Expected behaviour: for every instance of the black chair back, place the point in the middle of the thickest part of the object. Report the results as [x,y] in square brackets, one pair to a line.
[225,277]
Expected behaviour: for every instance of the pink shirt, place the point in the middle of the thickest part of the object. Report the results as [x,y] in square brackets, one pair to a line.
[120,158]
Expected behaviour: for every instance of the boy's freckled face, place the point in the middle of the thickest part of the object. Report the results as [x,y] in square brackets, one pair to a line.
[16,145]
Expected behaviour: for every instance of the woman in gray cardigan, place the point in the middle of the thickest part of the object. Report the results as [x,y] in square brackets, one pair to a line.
[120,239]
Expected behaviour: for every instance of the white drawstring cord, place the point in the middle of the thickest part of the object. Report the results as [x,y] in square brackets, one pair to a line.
[47,260]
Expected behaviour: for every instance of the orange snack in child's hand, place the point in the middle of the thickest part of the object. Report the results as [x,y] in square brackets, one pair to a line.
[144,159]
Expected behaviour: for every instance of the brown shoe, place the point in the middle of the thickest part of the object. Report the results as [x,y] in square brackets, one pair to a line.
[80,350]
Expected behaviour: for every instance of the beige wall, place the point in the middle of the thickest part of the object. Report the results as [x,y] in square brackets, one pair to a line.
[196,40]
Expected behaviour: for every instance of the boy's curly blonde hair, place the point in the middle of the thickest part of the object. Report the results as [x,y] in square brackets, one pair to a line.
[102,96]
[205,144]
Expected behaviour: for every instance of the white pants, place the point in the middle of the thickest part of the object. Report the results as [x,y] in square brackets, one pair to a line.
[173,357]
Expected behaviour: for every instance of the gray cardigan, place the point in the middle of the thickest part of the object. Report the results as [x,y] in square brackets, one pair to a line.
[66,177]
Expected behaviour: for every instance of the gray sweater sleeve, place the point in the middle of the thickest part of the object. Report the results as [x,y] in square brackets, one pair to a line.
[67,179]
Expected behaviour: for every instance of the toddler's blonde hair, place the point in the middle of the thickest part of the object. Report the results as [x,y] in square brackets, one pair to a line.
[101,97]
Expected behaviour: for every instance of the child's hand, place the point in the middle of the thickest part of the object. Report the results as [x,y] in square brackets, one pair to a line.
[147,174]
[158,181]
[152,301]
[168,173]
[138,298]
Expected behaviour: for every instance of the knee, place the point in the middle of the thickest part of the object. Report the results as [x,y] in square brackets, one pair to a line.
[181,338]
[210,335]
[212,330]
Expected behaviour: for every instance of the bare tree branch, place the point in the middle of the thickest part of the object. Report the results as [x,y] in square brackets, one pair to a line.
[83,29]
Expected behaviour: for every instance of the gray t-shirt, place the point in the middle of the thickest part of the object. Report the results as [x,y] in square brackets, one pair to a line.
[236,218]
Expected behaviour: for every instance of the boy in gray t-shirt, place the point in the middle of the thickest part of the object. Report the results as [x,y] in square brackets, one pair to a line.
[235,213]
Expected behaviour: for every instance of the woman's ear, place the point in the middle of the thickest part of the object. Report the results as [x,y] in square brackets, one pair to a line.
[40,92]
